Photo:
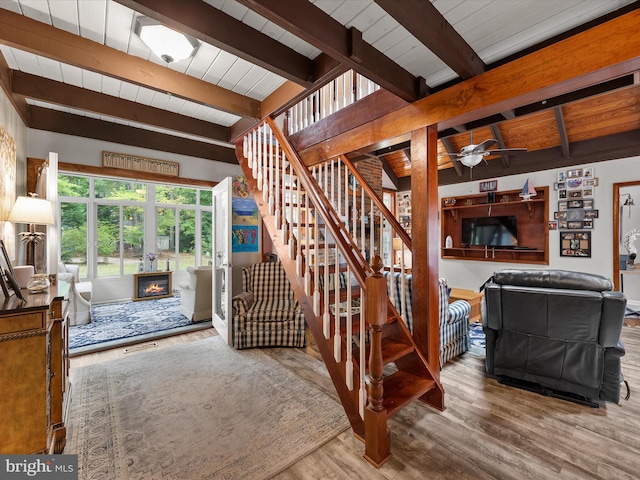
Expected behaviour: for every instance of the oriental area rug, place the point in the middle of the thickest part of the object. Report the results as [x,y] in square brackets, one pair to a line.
[477,342]
[118,321]
[196,411]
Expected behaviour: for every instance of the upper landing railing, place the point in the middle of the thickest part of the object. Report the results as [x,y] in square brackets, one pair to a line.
[339,93]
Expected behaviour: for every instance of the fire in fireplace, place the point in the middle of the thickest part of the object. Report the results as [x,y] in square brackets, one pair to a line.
[152,285]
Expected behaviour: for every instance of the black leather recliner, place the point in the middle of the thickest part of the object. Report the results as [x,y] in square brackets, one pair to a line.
[556,329]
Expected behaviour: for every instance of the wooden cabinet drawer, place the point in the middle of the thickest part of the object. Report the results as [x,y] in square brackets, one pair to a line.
[21,322]
[55,311]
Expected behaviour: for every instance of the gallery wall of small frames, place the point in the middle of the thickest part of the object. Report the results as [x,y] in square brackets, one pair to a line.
[576,213]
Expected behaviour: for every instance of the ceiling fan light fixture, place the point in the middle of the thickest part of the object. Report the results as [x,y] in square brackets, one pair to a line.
[165,43]
[471,160]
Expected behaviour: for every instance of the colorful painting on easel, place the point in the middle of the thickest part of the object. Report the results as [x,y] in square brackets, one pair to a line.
[244,225]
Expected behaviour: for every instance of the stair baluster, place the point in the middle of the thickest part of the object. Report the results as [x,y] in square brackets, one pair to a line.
[307,216]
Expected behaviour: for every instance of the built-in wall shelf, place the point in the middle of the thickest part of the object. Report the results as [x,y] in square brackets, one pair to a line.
[532,226]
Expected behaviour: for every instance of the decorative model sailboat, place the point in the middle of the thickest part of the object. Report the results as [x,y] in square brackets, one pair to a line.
[528,191]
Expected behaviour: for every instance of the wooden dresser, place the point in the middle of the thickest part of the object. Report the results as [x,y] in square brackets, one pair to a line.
[34,372]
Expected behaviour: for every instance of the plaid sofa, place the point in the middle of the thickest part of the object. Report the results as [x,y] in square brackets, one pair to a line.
[266,313]
[454,317]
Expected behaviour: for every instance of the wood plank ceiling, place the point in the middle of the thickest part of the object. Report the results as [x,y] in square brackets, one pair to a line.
[76,67]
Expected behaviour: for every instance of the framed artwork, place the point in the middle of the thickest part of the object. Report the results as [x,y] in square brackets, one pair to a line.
[573,183]
[8,275]
[3,284]
[575,173]
[562,206]
[575,244]
[587,204]
[587,172]
[574,193]
[590,182]
[575,214]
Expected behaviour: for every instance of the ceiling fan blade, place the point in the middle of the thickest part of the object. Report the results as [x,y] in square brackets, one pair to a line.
[454,155]
[481,147]
[504,150]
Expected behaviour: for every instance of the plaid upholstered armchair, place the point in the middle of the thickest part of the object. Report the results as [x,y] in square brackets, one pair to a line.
[266,313]
[454,316]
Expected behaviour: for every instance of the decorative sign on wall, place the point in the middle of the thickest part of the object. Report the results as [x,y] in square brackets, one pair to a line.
[488,186]
[576,211]
[140,164]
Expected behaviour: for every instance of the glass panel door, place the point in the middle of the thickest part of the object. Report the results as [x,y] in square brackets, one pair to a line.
[222,280]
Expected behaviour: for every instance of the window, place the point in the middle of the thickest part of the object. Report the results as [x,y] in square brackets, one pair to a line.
[123,220]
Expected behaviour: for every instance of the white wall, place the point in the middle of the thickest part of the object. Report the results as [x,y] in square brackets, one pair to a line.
[471,274]
[85,151]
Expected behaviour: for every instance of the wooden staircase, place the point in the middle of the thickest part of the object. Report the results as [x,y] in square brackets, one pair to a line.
[322,223]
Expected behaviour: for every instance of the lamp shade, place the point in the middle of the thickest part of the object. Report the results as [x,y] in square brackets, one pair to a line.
[397,243]
[33,210]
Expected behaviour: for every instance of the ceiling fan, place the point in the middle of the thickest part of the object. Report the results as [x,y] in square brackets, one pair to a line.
[471,155]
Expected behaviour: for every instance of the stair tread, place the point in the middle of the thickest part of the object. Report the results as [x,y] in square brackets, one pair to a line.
[402,388]
[355,322]
[392,350]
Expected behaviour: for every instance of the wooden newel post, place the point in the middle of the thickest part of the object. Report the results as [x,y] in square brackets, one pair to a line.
[377,437]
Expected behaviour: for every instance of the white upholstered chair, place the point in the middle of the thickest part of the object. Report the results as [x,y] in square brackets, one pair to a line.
[195,299]
[79,296]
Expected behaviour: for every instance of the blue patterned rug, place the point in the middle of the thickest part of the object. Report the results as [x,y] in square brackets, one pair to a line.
[116,321]
[476,340]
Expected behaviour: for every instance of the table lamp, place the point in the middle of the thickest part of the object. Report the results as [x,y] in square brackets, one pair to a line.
[397,248]
[32,211]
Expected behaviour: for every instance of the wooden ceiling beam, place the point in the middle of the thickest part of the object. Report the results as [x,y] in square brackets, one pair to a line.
[311,24]
[213,26]
[69,124]
[32,86]
[448,146]
[504,157]
[562,131]
[561,68]
[427,24]
[26,34]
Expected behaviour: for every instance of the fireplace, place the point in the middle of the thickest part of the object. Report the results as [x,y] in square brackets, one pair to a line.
[151,285]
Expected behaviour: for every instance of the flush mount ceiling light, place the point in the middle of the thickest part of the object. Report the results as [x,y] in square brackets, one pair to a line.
[167,44]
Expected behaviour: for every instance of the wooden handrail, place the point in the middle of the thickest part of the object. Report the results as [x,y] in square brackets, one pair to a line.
[333,223]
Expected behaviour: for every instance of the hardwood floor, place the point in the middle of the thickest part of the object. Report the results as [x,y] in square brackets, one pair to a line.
[488,431]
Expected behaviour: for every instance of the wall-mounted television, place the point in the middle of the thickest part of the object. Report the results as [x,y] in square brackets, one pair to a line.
[499,231]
